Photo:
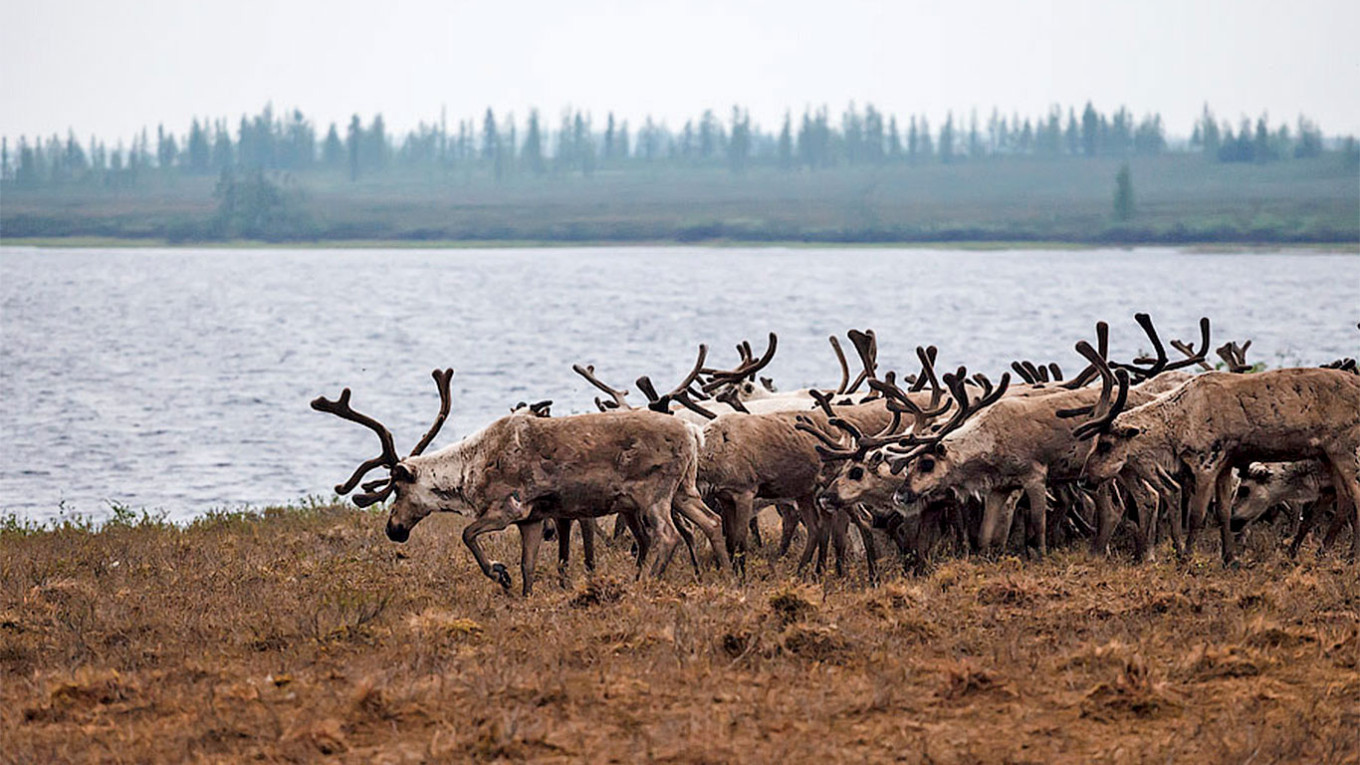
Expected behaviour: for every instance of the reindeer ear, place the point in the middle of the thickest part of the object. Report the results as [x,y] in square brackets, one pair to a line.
[939,448]
[401,473]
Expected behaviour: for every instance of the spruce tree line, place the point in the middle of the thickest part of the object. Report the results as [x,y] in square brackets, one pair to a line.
[497,146]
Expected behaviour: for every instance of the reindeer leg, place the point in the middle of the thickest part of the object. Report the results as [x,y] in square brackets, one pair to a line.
[994,519]
[1037,491]
[511,511]
[755,530]
[811,519]
[1223,496]
[657,519]
[1107,518]
[530,539]
[1305,525]
[1174,502]
[640,535]
[692,508]
[870,542]
[1346,480]
[564,548]
[736,525]
[1144,502]
[840,529]
[788,526]
[588,530]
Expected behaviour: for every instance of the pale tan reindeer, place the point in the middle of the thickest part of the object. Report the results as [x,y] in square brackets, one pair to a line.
[1303,488]
[522,469]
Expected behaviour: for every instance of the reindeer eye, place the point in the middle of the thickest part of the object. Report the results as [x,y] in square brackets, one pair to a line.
[856,473]
[1102,447]
[926,465]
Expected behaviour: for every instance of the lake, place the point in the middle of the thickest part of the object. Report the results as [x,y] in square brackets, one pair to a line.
[178,380]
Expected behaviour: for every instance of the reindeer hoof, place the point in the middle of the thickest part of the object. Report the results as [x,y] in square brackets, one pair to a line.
[501,574]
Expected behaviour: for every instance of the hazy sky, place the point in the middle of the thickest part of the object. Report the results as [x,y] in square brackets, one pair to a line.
[110,67]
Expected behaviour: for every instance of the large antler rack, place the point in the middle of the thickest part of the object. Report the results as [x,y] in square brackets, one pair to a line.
[831,449]
[1091,372]
[681,393]
[748,367]
[377,491]
[1141,369]
[866,345]
[957,384]
[1104,410]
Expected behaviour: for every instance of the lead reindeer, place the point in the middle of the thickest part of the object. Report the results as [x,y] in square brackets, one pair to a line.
[522,470]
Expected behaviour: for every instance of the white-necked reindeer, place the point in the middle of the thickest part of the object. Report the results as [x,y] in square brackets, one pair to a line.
[522,469]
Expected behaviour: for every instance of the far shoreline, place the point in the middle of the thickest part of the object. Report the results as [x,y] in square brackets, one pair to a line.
[95,242]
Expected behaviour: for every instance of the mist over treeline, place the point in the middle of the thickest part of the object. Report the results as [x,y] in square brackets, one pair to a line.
[504,146]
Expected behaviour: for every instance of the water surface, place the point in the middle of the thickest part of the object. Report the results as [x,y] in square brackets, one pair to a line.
[178,379]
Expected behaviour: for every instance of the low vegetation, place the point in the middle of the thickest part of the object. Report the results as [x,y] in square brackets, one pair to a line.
[1180,199]
[298,633]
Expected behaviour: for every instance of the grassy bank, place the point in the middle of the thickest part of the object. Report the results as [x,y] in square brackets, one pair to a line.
[1179,200]
[305,632]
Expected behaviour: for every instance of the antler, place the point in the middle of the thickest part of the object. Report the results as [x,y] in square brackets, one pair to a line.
[1089,373]
[341,408]
[377,491]
[616,394]
[442,379]
[866,345]
[1104,412]
[845,368]
[1235,356]
[748,367]
[680,394]
[1160,364]
[957,387]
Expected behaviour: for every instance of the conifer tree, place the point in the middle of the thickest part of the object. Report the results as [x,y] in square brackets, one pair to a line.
[1123,194]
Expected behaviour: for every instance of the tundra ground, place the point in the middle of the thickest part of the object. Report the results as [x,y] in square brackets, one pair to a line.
[303,634]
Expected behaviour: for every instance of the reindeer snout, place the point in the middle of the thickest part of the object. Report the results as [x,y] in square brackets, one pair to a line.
[397,533]
[905,496]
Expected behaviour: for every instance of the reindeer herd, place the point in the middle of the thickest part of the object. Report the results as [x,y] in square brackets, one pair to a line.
[911,461]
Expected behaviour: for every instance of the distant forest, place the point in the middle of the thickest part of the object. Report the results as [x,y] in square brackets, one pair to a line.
[1070,175]
[500,147]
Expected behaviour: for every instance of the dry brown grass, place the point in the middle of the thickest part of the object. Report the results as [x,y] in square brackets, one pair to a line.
[302,635]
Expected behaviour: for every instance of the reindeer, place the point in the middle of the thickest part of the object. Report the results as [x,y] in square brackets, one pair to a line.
[523,469]
[1303,488]
[560,528]
[750,457]
[1219,420]
[1026,443]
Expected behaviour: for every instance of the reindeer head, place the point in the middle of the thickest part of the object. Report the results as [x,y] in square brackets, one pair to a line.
[416,486]
[936,466]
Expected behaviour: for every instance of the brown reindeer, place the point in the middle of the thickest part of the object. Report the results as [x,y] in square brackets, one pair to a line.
[750,457]
[522,470]
[1028,443]
[1220,420]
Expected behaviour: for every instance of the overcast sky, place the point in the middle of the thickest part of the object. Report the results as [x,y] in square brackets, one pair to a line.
[109,67]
